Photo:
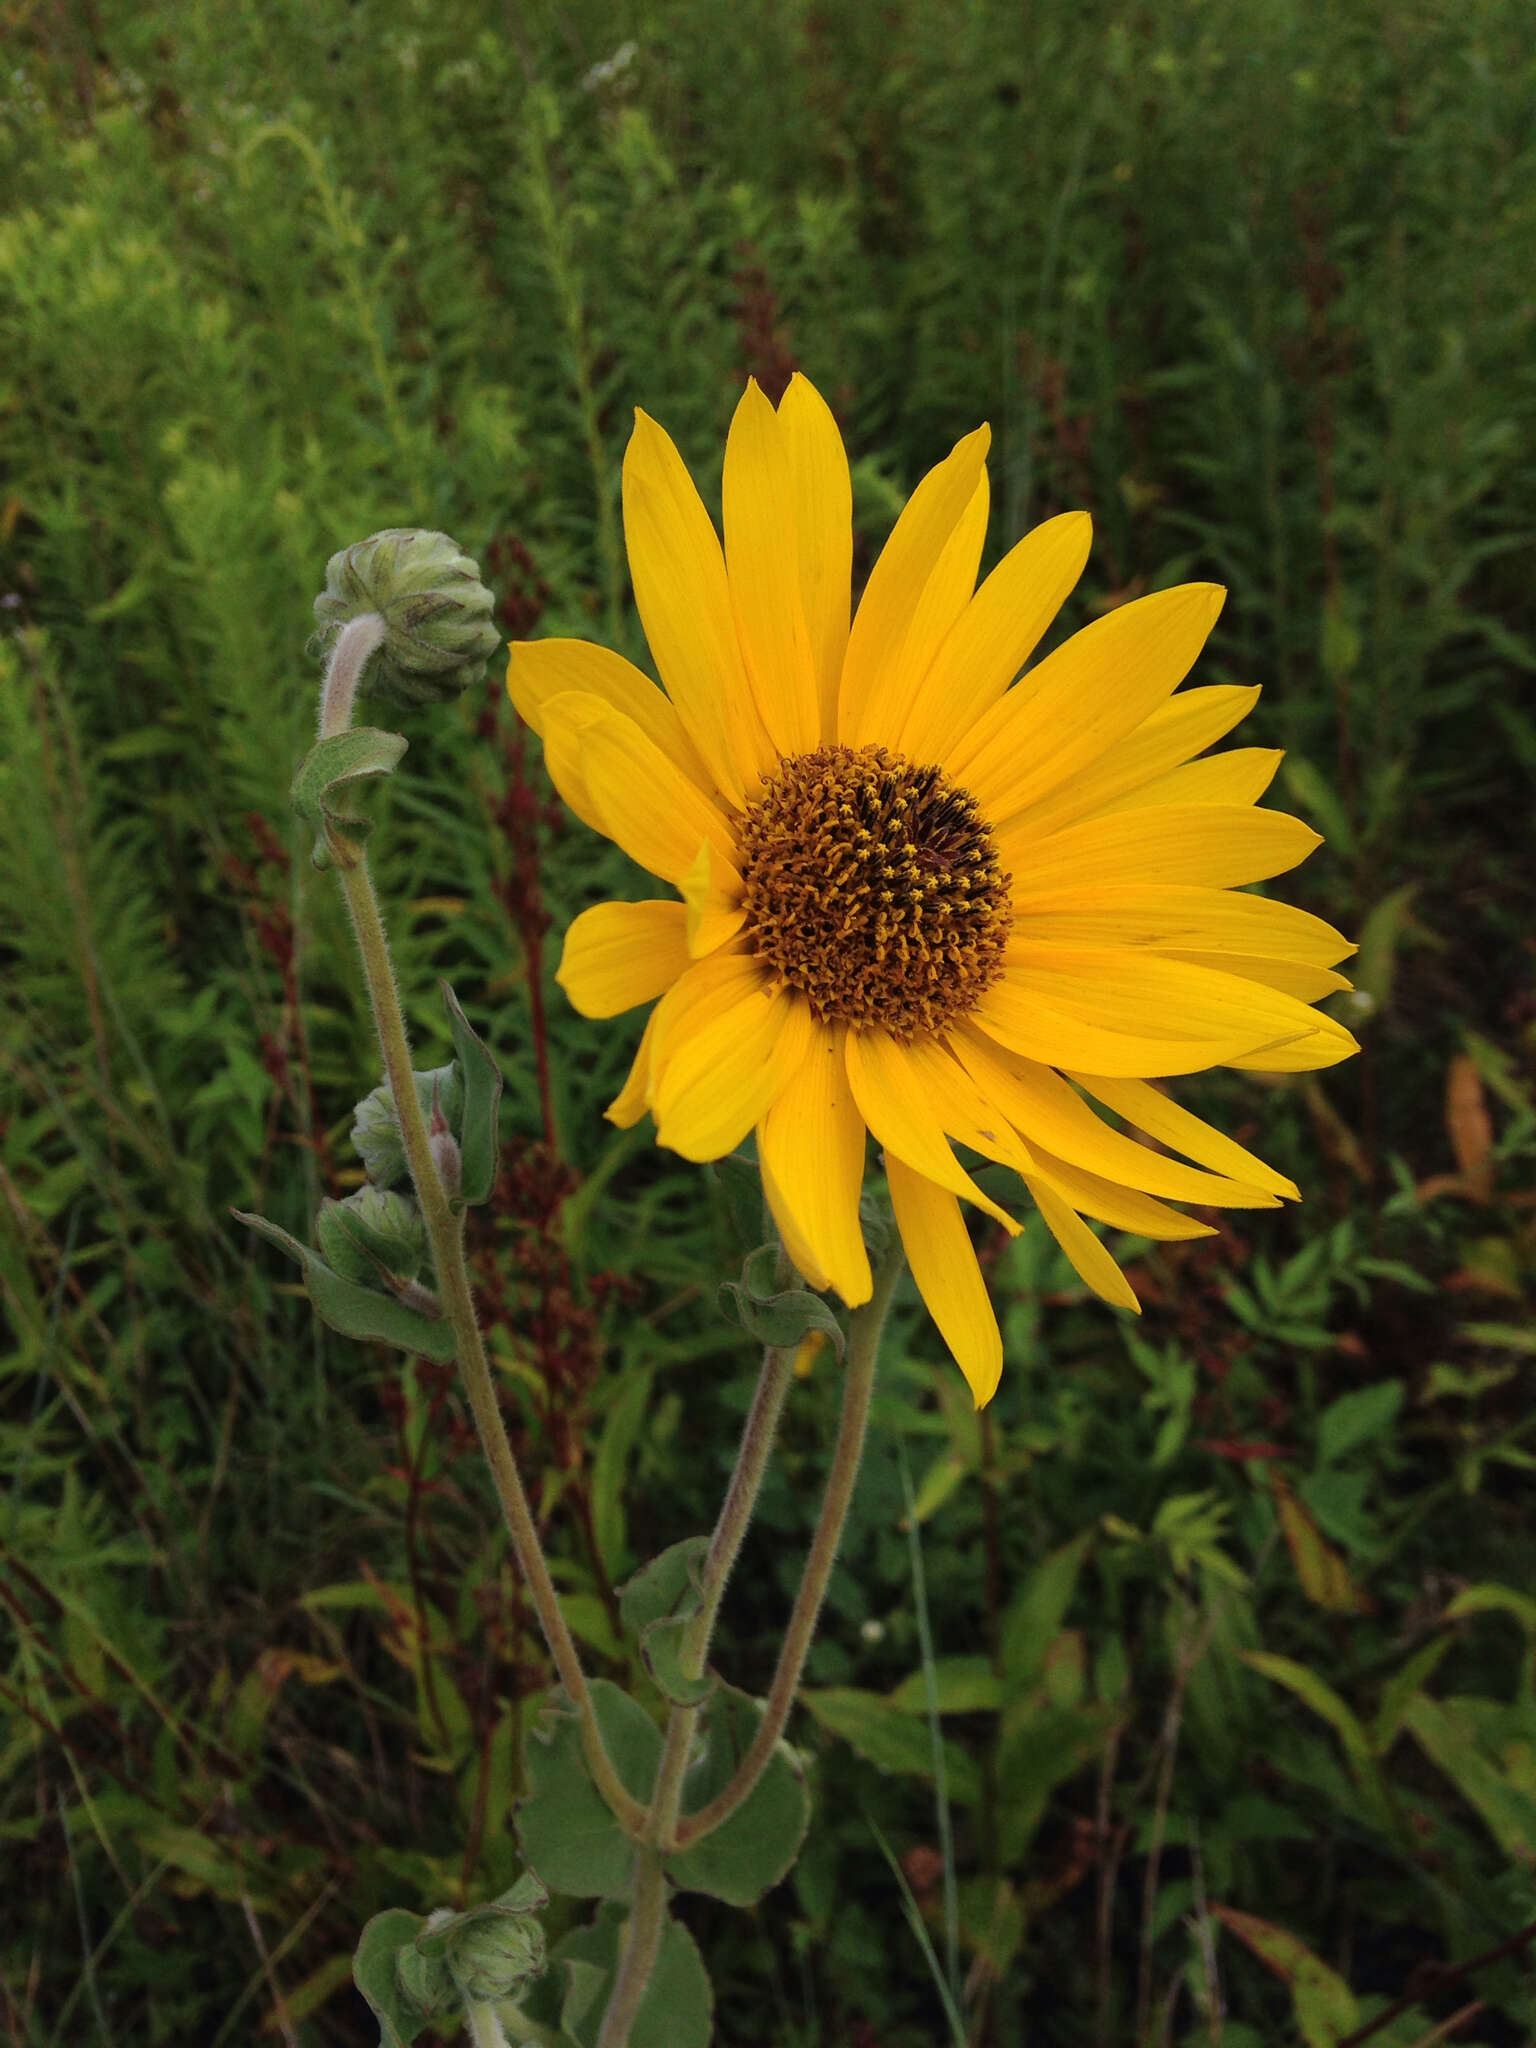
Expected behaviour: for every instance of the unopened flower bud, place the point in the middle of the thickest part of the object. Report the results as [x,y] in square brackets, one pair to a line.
[376,1129]
[372,1231]
[437,613]
[495,1954]
[424,1981]
[446,1157]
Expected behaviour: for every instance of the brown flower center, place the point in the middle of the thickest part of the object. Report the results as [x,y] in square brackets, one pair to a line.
[874,887]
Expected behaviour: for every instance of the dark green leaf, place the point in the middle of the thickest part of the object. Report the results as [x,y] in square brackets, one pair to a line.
[782,1319]
[1039,1608]
[479,1141]
[737,1188]
[358,1311]
[667,1586]
[677,2010]
[751,1851]
[890,1739]
[565,1829]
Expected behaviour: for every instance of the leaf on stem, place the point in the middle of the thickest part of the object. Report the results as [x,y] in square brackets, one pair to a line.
[479,1140]
[564,1826]
[330,764]
[751,1851]
[677,2010]
[357,1311]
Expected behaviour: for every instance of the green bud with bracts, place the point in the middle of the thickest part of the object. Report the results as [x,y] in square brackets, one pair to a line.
[372,1233]
[495,1952]
[439,632]
[376,1129]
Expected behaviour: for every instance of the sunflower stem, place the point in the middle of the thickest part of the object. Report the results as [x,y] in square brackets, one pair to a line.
[642,1938]
[858,1386]
[445,1234]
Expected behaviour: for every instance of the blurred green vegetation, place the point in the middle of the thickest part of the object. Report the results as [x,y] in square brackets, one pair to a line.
[1233,1633]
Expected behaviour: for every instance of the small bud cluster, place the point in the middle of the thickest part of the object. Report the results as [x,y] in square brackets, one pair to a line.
[439,632]
[376,1238]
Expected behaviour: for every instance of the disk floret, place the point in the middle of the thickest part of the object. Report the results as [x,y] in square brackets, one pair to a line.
[874,888]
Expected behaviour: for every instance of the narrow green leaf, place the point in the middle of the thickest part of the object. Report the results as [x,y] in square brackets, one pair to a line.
[1357,1418]
[480,1139]
[890,1739]
[1038,1610]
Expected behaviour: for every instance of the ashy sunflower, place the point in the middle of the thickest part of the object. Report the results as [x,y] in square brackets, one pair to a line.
[923,896]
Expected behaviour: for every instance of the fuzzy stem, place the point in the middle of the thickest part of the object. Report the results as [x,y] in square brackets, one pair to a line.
[445,1233]
[858,1386]
[642,1941]
[484,2028]
[357,639]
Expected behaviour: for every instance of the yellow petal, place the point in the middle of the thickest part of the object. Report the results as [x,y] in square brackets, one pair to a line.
[995,635]
[916,590]
[722,1079]
[1177,730]
[1090,1261]
[1290,977]
[1093,690]
[712,902]
[1122,1207]
[709,988]
[893,1098]
[811,1149]
[963,1105]
[629,1105]
[824,535]
[1049,1113]
[645,802]
[1171,1124]
[1149,995]
[939,1251]
[1182,916]
[1239,776]
[619,954]
[1218,846]
[1325,1046]
[944,599]
[803,1255]
[763,566]
[540,669]
[684,603]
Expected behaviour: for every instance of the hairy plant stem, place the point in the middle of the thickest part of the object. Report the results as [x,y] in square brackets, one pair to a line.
[642,1936]
[484,2028]
[445,1234]
[858,1385]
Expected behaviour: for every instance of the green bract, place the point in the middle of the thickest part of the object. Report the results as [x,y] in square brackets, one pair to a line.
[376,1129]
[437,613]
[372,1232]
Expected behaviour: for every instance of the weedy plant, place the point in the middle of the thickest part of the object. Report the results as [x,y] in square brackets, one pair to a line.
[920,900]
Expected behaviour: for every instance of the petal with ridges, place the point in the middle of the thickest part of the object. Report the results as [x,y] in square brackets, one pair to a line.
[811,1146]
[1121,1207]
[1291,977]
[617,955]
[647,805]
[914,556]
[629,1105]
[1182,916]
[540,669]
[803,1255]
[995,635]
[894,1102]
[1048,1112]
[824,535]
[1093,690]
[723,1078]
[943,1262]
[942,602]
[763,568]
[1240,776]
[684,601]
[1216,846]
[1184,726]
[1170,1123]
[1090,1261]
[1137,996]
[1325,1046]
[708,988]
[712,903]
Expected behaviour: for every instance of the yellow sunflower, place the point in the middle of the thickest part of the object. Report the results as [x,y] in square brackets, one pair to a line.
[923,896]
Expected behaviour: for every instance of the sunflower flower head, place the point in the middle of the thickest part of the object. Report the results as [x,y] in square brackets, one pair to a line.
[924,890]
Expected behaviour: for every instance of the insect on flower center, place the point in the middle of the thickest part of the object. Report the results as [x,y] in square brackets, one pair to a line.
[874,887]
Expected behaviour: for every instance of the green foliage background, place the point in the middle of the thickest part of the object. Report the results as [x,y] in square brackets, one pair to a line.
[1231,1611]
